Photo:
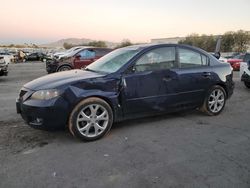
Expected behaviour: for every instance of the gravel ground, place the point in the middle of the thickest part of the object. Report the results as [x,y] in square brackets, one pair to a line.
[179,150]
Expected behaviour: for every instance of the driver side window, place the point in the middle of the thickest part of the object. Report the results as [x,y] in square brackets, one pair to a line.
[158,59]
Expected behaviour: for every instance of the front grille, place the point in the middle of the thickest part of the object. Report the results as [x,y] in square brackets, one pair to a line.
[22,93]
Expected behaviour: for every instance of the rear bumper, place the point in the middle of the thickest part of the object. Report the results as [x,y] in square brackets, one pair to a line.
[49,115]
[230,85]
[230,90]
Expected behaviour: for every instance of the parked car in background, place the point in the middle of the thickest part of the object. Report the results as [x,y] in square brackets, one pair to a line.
[236,60]
[223,59]
[130,82]
[3,67]
[66,53]
[77,59]
[246,57]
[8,58]
[245,70]
[37,56]
[14,54]
[235,63]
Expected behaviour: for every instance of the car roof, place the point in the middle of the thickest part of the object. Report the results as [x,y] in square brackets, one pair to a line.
[151,45]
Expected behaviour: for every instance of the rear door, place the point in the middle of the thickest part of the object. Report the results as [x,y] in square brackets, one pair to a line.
[194,76]
[84,58]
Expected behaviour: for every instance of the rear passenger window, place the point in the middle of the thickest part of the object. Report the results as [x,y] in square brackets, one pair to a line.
[157,59]
[189,58]
[102,52]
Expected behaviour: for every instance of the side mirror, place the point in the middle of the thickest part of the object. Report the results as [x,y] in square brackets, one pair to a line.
[130,70]
[78,56]
[133,69]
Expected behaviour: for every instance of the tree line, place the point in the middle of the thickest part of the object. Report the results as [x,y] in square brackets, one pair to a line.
[238,41]
[20,46]
[99,43]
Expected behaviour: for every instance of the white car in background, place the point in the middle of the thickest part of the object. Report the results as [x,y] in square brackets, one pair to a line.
[60,55]
[3,67]
[8,58]
[245,70]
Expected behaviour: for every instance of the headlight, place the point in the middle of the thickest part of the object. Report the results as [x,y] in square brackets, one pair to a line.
[45,94]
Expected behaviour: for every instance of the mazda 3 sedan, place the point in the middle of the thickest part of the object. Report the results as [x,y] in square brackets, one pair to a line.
[130,82]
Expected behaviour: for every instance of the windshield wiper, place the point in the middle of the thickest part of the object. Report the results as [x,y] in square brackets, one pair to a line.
[87,69]
[91,70]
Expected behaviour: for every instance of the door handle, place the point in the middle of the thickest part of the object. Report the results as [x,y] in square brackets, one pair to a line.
[206,74]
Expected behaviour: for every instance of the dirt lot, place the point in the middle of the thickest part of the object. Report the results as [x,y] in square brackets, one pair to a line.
[177,150]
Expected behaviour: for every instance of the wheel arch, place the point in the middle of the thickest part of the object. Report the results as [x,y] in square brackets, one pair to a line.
[112,102]
[65,64]
[106,99]
[224,87]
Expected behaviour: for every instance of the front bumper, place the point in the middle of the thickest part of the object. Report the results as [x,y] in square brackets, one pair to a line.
[44,114]
[51,66]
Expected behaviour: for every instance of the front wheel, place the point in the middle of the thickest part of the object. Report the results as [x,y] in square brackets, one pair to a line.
[215,101]
[91,119]
[247,84]
[64,68]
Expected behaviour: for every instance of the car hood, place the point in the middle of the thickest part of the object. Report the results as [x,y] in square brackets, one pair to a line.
[60,79]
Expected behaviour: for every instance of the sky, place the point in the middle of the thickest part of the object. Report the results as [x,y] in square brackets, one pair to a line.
[43,21]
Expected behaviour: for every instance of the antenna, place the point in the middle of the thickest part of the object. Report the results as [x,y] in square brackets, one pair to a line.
[218,44]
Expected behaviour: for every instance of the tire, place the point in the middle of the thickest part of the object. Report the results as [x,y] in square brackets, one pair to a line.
[63,68]
[247,84]
[215,101]
[91,119]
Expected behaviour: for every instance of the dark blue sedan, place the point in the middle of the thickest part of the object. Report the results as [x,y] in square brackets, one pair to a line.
[131,82]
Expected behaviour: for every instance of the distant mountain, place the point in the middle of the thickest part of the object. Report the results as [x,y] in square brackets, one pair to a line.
[74,41]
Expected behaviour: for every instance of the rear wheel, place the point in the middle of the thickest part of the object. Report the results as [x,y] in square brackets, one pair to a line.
[64,68]
[247,84]
[91,119]
[215,101]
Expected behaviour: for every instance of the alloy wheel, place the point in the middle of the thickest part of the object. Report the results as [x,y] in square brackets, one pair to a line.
[216,101]
[92,120]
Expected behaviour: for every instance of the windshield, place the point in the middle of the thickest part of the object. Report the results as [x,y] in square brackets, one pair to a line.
[72,53]
[113,61]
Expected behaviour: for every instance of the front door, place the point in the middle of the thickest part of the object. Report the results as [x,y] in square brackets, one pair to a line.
[150,87]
